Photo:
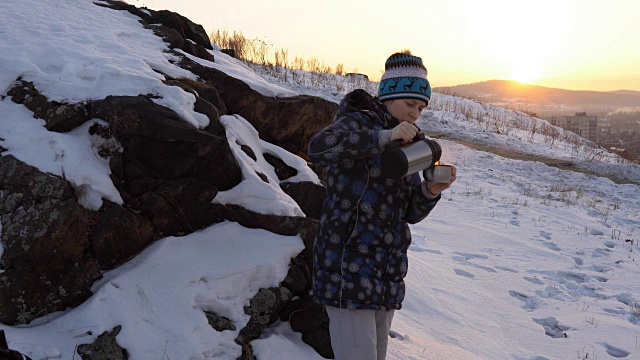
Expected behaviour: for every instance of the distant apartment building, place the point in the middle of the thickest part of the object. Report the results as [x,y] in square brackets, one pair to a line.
[581,124]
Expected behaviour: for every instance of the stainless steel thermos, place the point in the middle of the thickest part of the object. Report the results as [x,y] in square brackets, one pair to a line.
[401,160]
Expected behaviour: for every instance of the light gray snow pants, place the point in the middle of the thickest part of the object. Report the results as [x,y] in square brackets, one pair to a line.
[359,334]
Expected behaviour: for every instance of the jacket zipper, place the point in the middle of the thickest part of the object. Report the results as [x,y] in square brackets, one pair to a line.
[352,232]
[392,249]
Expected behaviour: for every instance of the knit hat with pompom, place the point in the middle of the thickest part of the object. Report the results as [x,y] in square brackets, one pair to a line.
[405,77]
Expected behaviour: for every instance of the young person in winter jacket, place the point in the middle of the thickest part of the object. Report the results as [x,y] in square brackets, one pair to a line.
[360,254]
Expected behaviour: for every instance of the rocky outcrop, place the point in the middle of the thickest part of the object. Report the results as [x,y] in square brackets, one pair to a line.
[167,173]
[287,122]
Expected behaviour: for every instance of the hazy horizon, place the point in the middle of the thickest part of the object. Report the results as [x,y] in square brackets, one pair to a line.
[568,44]
[527,84]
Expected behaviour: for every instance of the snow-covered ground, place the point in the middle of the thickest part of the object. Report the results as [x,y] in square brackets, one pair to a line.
[518,261]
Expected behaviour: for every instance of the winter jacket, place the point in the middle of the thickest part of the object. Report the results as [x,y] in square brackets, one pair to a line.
[360,253]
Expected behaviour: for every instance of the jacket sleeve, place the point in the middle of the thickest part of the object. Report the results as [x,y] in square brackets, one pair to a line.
[419,205]
[347,138]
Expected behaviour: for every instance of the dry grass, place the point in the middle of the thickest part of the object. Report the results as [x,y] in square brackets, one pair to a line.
[258,51]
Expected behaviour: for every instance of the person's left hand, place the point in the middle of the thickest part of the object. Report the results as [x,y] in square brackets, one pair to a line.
[437,188]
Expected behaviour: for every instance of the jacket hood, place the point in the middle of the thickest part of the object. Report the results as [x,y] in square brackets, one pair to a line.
[360,101]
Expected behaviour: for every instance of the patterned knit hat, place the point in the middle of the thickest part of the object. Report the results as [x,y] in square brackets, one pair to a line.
[405,77]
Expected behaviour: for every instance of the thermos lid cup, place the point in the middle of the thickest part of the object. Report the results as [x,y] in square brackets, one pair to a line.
[438,173]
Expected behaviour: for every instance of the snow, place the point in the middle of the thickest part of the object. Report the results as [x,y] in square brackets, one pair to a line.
[253,193]
[72,155]
[93,53]
[237,69]
[519,260]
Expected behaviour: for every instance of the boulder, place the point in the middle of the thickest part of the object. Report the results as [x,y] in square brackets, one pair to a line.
[47,260]
[263,310]
[178,31]
[58,117]
[287,122]
[282,170]
[219,323]
[281,225]
[105,347]
[309,196]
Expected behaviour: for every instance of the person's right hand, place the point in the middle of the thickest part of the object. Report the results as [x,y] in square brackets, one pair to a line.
[404,131]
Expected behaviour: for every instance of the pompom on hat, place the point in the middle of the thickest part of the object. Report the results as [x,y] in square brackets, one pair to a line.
[405,77]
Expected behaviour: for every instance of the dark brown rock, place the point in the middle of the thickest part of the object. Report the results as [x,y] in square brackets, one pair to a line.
[118,234]
[308,316]
[160,144]
[281,225]
[187,28]
[46,254]
[287,122]
[174,26]
[219,323]
[175,207]
[172,37]
[309,196]
[58,116]
[320,341]
[208,102]
[249,151]
[247,353]
[104,348]
[119,5]
[283,171]
[296,281]
[263,310]
[168,174]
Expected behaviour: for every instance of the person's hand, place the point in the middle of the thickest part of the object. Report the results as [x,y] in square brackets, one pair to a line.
[437,188]
[404,131]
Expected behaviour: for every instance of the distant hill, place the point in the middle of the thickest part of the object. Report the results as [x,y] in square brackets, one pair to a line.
[628,92]
[512,91]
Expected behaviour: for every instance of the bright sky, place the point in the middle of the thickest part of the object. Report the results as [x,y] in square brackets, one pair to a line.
[572,44]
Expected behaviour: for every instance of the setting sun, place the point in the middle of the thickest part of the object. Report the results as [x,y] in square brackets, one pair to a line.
[524,71]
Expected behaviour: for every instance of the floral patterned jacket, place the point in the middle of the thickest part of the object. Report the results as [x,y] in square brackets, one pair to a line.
[360,254]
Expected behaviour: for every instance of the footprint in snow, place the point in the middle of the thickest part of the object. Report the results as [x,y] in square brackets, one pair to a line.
[552,327]
[600,252]
[618,311]
[529,302]
[534,280]
[579,278]
[421,249]
[551,245]
[466,256]
[545,235]
[506,269]
[396,335]
[463,273]
[616,352]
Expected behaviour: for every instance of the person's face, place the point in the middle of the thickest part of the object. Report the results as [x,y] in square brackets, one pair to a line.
[405,109]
